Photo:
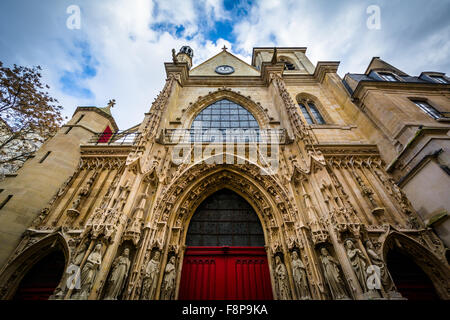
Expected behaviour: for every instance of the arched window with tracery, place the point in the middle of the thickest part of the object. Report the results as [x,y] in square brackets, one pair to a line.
[311,112]
[221,116]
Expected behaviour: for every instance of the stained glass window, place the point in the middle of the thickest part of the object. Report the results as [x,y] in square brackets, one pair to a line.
[225,219]
[212,123]
[225,114]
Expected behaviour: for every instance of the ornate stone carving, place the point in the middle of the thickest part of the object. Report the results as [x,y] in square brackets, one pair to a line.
[300,279]
[119,274]
[297,124]
[283,291]
[82,194]
[168,284]
[332,275]
[89,272]
[150,281]
[103,223]
[134,227]
[368,193]
[41,218]
[376,260]
[158,106]
[358,262]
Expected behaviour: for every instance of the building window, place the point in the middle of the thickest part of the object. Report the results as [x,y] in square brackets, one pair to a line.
[81,117]
[311,113]
[388,77]
[439,79]
[45,157]
[225,114]
[4,202]
[221,116]
[425,107]
[288,65]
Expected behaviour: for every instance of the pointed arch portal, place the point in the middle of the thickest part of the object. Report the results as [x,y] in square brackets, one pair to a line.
[225,257]
[42,279]
[410,279]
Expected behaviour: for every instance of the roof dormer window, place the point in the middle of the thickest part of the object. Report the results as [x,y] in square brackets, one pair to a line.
[439,79]
[387,76]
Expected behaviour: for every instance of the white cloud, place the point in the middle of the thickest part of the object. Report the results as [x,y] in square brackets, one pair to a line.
[131,55]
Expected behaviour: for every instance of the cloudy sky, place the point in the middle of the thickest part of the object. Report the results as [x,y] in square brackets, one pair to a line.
[121,45]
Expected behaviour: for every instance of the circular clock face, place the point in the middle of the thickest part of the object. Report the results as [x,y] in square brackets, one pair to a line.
[224,69]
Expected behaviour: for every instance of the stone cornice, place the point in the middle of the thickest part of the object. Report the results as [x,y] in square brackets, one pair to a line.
[418,136]
[364,85]
[348,149]
[185,79]
[324,67]
[106,150]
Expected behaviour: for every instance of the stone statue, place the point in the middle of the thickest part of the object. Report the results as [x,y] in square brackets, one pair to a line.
[76,203]
[73,270]
[168,285]
[376,260]
[80,254]
[358,262]
[282,280]
[89,271]
[332,275]
[120,268]
[151,277]
[84,192]
[300,280]
[366,191]
[274,57]
[174,57]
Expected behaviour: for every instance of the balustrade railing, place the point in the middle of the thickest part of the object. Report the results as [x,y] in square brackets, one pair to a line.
[116,138]
[176,136]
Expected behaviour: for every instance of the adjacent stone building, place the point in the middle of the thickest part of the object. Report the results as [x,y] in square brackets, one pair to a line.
[412,118]
[261,181]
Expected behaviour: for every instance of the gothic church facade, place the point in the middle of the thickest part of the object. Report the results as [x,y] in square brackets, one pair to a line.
[258,181]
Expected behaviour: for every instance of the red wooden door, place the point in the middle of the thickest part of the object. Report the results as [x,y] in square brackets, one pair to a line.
[225,273]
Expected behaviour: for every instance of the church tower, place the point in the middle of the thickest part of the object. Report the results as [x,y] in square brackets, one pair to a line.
[185,55]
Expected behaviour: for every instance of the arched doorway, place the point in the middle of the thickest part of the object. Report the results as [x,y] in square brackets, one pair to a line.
[410,280]
[225,256]
[42,279]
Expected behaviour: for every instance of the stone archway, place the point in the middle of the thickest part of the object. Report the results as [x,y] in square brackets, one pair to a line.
[410,280]
[192,185]
[225,256]
[401,251]
[27,259]
[254,108]
[266,192]
[42,279]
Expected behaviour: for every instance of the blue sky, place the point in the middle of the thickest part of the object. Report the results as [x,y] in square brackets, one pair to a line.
[121,46]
